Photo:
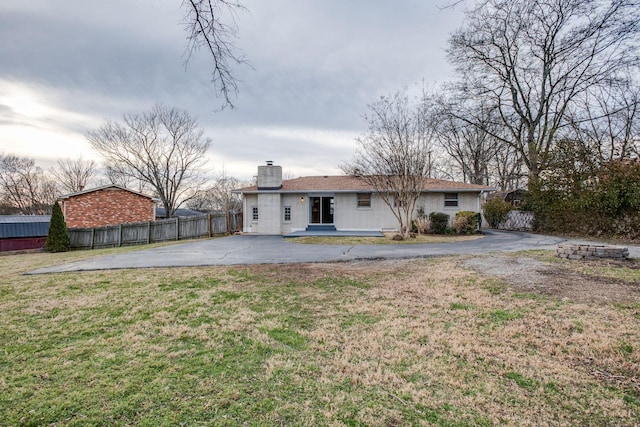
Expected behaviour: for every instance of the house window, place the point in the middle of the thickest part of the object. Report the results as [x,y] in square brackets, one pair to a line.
[364,200]
[287,214]
[450,200]
[254,213]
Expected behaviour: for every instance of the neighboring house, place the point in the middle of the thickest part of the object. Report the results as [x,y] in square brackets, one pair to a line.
[107,205]
[161,213]
[344,203]
[21,232]
[514,197]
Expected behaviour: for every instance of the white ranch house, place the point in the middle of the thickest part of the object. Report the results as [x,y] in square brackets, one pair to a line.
[342,203]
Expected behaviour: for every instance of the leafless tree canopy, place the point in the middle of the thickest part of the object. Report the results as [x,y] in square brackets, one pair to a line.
[73,175]
[163,148]
[469,133]
[533,59]
[393,155]
[608,121]
[212,25]
[25,186]
[218,198]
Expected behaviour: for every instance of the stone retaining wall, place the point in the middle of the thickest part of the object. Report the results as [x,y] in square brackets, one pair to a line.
[591,252]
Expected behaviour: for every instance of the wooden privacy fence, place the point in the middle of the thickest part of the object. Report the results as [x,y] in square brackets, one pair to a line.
[142,233]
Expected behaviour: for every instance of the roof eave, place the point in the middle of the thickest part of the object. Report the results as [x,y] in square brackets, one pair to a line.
[104,187]
[360,190]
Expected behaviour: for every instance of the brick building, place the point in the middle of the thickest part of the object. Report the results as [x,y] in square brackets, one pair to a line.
[107,205]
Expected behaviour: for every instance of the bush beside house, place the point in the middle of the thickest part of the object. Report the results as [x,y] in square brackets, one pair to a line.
[495,211]
[467,222]
[439,222]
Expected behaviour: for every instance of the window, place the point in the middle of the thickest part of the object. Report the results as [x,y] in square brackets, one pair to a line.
[364,200]
[254,213]
[287,214]
[450,200]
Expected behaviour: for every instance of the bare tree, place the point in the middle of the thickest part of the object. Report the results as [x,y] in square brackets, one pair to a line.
[393,155]
[506,170]
[25,186]
[116,177]
[470,133]
[533,58]
[73,175]
[608,121]
[212,26]
[163,147]
[472,147]
[218,197]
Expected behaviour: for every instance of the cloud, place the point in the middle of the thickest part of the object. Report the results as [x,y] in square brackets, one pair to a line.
[315,67]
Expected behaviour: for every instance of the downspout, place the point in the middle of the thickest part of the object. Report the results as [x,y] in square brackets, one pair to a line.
[480,208]
[244,214]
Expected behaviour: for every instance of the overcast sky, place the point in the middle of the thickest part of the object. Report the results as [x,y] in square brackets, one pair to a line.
[66,66]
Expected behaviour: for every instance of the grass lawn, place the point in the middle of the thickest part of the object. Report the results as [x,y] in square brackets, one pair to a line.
[386,240]
[398,343]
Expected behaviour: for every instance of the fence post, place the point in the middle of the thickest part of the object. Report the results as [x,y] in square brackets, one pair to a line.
[93,232]
[119,235]
[209,224]
[148,232]
[177,228]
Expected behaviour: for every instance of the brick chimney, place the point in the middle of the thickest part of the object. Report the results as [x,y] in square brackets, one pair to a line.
[269,176]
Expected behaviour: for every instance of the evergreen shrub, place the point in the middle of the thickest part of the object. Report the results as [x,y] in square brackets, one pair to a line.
[495,211]
[439,222]
[58,238]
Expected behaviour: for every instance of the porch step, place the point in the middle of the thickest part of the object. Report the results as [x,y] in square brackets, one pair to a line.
[320,227]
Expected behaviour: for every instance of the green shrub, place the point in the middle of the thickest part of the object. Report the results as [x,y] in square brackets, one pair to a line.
[439,222]
[466,222]
[495,211]
[58,238]
[604,205]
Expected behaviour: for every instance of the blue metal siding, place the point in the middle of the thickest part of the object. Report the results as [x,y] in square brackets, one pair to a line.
[19,226]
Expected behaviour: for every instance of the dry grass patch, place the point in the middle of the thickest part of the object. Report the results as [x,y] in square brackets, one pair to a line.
[11,264]
[386,240]
[427,342]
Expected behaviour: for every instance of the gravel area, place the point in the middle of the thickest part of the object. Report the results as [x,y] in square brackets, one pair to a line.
[578,281]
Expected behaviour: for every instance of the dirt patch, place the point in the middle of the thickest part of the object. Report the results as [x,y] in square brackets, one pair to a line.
[357,270]
[602,281]
[578,281]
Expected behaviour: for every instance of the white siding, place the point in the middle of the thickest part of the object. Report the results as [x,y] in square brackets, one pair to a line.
[299,212]
[434,202]
[250,226]
[348,216]
[379,215]
[269,213]
[466,202]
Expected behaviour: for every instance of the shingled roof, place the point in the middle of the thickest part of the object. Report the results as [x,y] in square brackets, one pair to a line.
[104,187]
[349,183]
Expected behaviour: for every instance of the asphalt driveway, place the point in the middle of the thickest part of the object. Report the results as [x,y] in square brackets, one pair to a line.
[235,250]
